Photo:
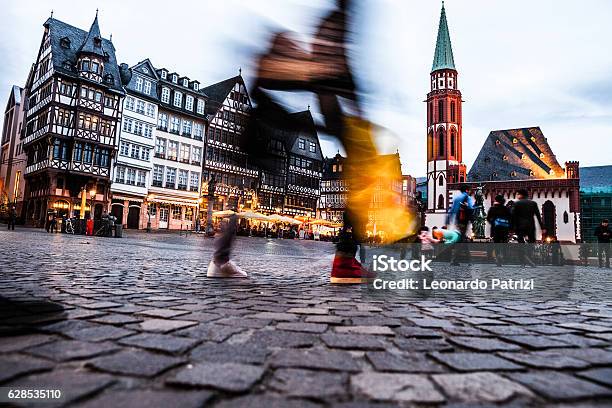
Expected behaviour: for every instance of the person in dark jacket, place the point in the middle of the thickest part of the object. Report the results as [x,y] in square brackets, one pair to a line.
[603,234]
[524,213]
[12,217]
[499,218]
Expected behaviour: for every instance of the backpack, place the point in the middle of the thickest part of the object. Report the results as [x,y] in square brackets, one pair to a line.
[501,223]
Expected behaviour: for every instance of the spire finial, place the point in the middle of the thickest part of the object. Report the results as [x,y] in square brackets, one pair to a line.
[111,37]
[239,70]
[51,13]
[97,11]
[308,106]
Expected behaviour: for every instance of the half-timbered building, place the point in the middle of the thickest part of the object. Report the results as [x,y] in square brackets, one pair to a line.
[132,167]
[73,105]
[225,159]
[334,189]
[174,190]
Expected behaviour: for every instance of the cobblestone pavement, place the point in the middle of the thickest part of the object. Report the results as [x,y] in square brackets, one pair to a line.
[135,322]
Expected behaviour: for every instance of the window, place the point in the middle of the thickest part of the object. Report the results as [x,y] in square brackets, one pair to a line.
[165,95]
[175,125]
[440,202]
[194,182]
[187,127]
[129,103]
[150,110]
[158,175]
[441,142]
[196,155]
[138,128]
[128,124]
[147,87]
[440,111]
[185,150]
[170,177]
[142,178]
[148,131]
[139,84]
[87,155]
[77,153]
[135,151]
[186,83]
[174,78]
[64,117]
[124,149]
[200,108]
[66,89]
[452,111]
[162,123]
[302,144]
[312,147]
[172,150]
[178,99]
[164,74]
[453,142]
[440,180]
[85,65]
[196,86]
[60,149]
[144,154]
[176,212]
[131,176]
[120,175]
[182,179]
[198,131]
[189,103]
[140,107]
[160,147]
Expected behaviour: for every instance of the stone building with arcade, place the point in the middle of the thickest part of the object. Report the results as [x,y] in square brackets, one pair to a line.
[510,159]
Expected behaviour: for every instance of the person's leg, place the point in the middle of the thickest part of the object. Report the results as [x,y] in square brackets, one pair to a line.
[607,249]
[221,265]
[600,254]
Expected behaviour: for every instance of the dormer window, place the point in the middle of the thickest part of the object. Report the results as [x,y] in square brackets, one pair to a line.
[85,65]
[65,42]
[186,83]
[97,42]
[164,75]
[109,79]
[196,86]
[175,78]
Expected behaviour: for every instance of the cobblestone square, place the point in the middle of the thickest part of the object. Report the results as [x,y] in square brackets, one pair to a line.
[136,321]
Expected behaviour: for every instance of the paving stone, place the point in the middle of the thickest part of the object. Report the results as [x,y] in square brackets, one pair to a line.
[249,353]
[379,330]
[419,344]
[209,332]
[545,359]
[354,341]
[479,387]
[482,321]
[265,401]
[231,377]
[149,399]
[303,327]
[309,384]
[545,329]
[164,325]
[308,311]
[524,320]
[600,375]
[100,305]
[466,331]
[282,317]
[396,387]
[592,355]
[376,321]
[408,362]
[276,338]
[116,319]
[560,386]
[315,359]
[101,332]
[579,340]
[162,313]
[64,350]
[474,361]
[160,342]
[536,342]
[588,327]
[135,362]
[15,343]
[128,308]
[507,330]
[244,322]
[483,343]
[420,332]
[326,319]
[431,322]
[74,384]
[16,365]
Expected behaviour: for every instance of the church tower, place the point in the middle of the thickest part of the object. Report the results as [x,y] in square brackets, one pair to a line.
[444,161]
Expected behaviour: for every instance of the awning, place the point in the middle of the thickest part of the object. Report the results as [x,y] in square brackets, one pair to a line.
[116,197]
[174,201]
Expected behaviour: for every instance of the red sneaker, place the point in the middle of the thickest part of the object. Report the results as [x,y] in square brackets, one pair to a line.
[349,271]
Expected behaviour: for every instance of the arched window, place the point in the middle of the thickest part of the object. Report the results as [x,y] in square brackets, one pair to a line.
[453,111]
[441,142]
[440,111]
[430,113]
[430,146]
[440,202]
[440,180]
[453,143]
[565,217]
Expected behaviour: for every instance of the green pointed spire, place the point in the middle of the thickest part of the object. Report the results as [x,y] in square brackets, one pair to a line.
[443,58]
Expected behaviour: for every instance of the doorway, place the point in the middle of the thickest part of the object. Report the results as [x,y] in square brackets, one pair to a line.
[133,218]
[163,216]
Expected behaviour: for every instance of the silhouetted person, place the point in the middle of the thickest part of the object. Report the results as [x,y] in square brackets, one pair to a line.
[499,217]
[524,214]
[603,234]
[12,217]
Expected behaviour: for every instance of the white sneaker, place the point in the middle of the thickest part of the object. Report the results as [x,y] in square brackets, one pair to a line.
[227,270]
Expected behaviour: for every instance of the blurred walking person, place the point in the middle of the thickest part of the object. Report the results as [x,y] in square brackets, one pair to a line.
[603,234]
[524,214]
[461,214]
[499,217]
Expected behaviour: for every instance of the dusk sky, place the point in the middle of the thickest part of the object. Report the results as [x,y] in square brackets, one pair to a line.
[521,63]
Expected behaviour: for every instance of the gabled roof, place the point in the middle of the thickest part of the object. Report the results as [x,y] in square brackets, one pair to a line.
[328,164]
[61,55]
[515,154]
[443,56]
[93,41]
[595,177]
[218,92]
[146,63]
[305,122]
